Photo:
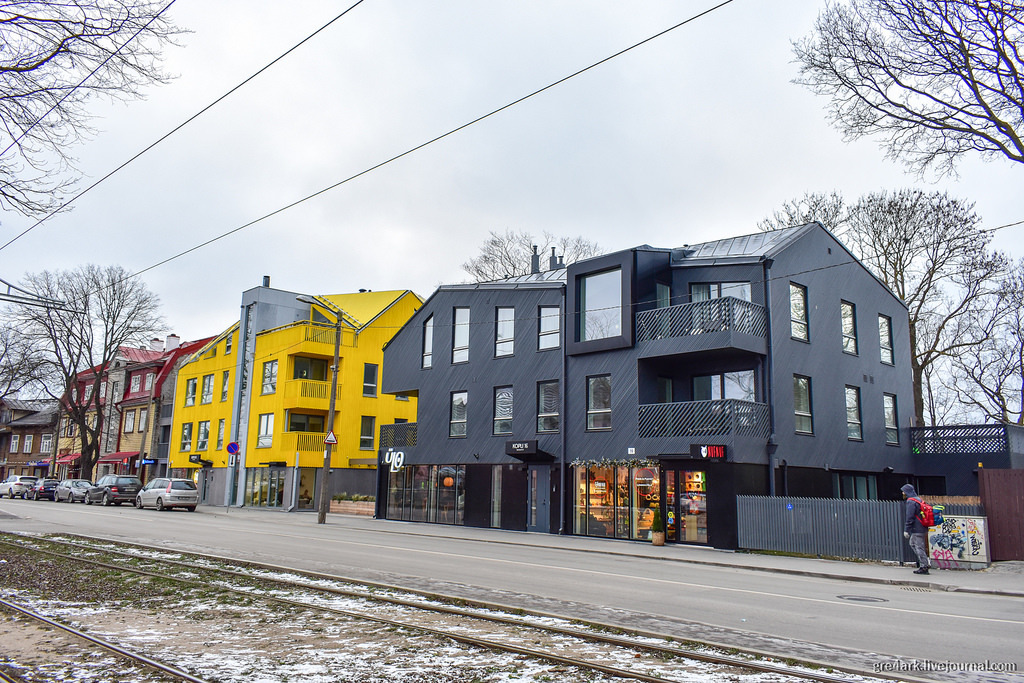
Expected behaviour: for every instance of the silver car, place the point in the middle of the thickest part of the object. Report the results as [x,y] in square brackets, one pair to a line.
[17,485]
[163,494]
[72,490]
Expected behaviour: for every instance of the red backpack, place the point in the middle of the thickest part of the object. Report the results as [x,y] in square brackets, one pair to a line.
[927,514]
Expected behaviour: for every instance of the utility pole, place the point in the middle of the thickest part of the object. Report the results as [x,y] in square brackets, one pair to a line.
[328,442]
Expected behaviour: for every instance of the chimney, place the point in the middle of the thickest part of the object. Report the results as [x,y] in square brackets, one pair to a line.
[172,342]
[266,280]
[535,261]
[156,344]
[553,261]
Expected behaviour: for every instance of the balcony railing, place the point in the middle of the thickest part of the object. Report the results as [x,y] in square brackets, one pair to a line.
[962,439]
[398,435]
[307,393]
[727,314]
[303,442]
[728,417]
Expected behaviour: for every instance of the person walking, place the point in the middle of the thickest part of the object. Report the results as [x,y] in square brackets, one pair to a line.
[914,529]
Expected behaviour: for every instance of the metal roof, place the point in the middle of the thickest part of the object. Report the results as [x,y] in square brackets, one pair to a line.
[743,248]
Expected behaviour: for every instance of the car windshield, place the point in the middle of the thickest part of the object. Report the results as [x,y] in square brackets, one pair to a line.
[28,479]
[81,484]
[183,485]
[127,481]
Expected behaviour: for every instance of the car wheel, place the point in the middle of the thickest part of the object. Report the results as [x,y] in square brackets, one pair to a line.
[160,504]
[87,500]
[106,499]
[138,503]
[190,508]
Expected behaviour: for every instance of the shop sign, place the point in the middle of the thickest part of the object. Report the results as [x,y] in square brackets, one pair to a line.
[149,461]
[521,447]
[707,451]
[396,459]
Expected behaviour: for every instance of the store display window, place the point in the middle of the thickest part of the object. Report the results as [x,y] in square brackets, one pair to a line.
[616,502]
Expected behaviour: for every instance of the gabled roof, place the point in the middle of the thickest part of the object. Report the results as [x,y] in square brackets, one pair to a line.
[742,249]
[45,413]
[360,308]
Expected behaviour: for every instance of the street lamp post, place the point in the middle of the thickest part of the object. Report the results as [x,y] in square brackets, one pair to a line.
[324,501]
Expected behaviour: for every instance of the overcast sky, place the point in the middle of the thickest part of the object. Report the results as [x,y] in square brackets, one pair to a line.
[694,136]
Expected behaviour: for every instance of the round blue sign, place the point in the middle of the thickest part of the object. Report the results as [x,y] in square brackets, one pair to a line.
[233,448]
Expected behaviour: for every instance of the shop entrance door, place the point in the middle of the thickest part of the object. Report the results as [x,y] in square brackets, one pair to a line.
[206,485]
[686,505]
[538,508]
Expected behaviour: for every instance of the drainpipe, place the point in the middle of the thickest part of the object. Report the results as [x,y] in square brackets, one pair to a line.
[771,446]
[567,482]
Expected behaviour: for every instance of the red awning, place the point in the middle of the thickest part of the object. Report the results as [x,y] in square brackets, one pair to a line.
[122,457]
[68,459]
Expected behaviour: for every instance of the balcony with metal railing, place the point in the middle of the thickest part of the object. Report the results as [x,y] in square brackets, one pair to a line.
[723,323]
[307,394]
[723,421]
[303,442]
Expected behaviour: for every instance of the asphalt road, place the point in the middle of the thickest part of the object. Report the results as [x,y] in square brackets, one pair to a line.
[826,620]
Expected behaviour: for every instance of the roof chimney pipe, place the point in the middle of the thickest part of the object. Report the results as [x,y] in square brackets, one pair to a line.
[535,261]
[266,280]
[553,261]
[173,342]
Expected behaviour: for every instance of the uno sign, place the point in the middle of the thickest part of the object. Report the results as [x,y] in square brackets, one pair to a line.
[707,451]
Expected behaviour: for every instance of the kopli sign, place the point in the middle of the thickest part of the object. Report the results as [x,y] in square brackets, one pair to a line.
[526,447]
[707,451]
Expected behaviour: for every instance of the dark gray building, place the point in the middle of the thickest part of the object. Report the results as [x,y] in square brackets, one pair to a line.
[674,379]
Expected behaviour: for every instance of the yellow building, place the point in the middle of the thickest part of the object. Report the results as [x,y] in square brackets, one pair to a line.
[283,348]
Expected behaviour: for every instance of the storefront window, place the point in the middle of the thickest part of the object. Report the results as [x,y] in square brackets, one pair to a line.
[616,501]
[693,507]
[646,497]
[428,493]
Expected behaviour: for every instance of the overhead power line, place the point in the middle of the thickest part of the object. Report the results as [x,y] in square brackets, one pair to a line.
[181,125]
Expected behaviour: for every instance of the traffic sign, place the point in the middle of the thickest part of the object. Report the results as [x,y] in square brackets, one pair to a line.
[330,439]
[233,448]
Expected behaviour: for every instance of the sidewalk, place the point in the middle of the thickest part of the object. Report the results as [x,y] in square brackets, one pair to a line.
[1002,578]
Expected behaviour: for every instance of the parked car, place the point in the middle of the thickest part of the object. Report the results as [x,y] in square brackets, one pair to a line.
[113,488]
[16,485]
[164,494]
[43,488]
[71,490]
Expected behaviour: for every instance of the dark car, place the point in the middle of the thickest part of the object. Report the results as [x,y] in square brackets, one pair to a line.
[72,490]
[113,488]
[43,488]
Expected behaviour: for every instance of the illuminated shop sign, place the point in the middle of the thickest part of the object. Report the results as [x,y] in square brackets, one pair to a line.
[528,447]
[707,451]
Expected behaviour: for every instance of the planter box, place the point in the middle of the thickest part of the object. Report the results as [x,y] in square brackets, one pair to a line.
[353,507]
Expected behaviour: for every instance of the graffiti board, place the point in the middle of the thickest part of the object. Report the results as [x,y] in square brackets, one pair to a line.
[959,543]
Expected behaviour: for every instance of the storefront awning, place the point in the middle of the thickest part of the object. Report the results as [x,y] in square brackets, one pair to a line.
[68,459]
[122,457]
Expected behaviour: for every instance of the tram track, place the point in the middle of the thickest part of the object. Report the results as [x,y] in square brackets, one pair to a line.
[562,643]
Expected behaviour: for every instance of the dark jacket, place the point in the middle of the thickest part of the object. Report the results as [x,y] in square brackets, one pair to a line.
[913,524]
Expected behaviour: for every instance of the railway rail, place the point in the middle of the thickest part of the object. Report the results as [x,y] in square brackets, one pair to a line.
[581,646]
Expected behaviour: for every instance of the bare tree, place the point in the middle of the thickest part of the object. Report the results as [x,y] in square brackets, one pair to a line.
[828,209]
[55,56]
[935,79]
[927,248]
[107,309]
[508,254]
[988,378]
[19,366]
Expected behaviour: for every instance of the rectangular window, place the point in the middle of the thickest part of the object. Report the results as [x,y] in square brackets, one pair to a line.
[270,377]
[103,390]
[504,331]
[549,328]
[220,434]
[366,426]
[136,383]
[705,291]
[186,436]
[265,436]
[369,379]
[885,338]
[149,381]
[300,422]
[802,405]
[46,443]
[799,328]
[143,417]
[548,405]
[853,426]
[310,368]
[203,436]
[428,342]
[892,420]
[457,416]
[460,335]
[502,410]
[665,390]
[190,392]
[224,385]
[129,421]
[14,442]
[227,345]
[600,305]
[737,385]
[28,444]
[849,315]
[599,402]
[207,395]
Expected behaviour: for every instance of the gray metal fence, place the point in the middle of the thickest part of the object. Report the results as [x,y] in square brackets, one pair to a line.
[829,527]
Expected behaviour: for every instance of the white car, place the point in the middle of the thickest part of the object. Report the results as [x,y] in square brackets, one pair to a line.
[163,494]
[17,485]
